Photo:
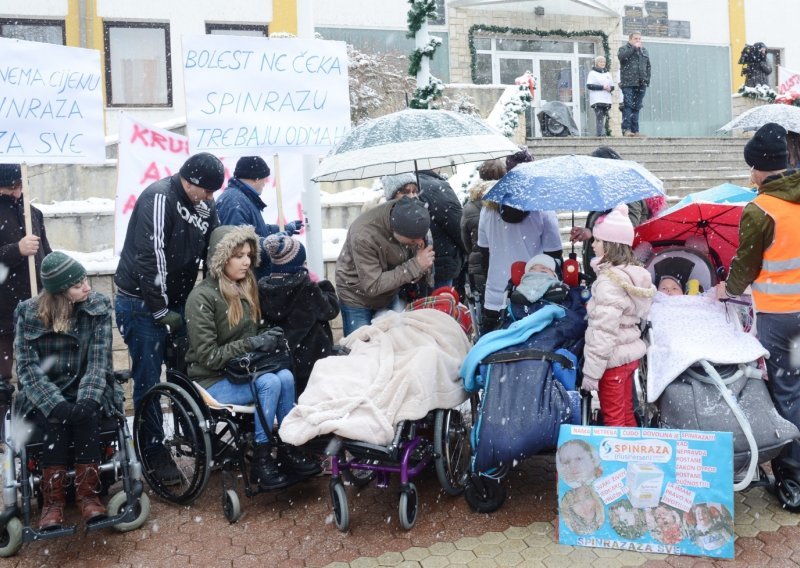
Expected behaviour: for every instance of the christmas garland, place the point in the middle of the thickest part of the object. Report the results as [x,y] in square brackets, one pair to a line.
[415,59]
[529,32]
[424,96]
[759,92]
[420,12]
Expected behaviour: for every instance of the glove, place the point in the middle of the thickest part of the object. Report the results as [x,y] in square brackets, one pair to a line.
[173,321]
[84,410]
[293,227]
[62,412]
[589,384]
[266,341]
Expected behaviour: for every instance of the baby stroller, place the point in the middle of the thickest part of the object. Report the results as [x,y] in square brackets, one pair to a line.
[127,510]
[528,377]
[708,375]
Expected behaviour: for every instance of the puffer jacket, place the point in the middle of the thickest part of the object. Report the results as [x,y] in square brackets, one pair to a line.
[621,298]
[212,341]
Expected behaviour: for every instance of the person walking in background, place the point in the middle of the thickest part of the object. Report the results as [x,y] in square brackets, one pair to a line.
[167,239]
[768,258]
[15,282]
[634,80]
[240,204]
[600,86]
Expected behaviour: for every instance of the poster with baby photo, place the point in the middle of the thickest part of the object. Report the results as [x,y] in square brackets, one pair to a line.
[646,490]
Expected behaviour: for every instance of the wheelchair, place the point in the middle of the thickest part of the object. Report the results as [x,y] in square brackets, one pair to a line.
[127,510]
[200,434]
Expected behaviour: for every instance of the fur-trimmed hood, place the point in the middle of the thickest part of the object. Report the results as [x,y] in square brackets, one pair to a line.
[479,189]
[224,240]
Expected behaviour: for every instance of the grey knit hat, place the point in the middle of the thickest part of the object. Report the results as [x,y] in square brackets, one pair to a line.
[393,184]
[60,271]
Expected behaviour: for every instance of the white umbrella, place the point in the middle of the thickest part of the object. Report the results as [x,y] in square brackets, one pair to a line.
[787,116]
[411,140]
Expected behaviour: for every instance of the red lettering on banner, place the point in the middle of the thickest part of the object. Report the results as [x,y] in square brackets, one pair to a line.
[158,140]
[139,133]
[152,173]
[178,146]
[129,205]
[149,139]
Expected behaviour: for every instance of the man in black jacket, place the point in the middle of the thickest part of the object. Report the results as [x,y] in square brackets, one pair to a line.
[634,80]
[167,238]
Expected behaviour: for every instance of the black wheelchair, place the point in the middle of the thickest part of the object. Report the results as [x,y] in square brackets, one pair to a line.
[127,510]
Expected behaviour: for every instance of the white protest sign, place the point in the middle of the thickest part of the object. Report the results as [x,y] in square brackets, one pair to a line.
[51,104]
[148,153]
[788,80]
[247,95]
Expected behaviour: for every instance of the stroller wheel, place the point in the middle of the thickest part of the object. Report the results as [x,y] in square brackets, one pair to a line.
[487,499]
[11,538]
[119,501]
[409,505]
[788,494]
[341,512]
[231,507]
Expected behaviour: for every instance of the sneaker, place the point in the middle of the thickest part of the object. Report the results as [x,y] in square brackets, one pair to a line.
[629,133]
[164,468]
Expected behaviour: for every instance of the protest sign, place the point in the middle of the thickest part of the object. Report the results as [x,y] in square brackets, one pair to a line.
[247,95]
[51,104]
[646,490]
[788,81]
[148,153]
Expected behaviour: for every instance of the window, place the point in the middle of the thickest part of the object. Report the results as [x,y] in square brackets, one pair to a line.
[774,59]
[440,14]
[237,29]
[138,70]
[45,31]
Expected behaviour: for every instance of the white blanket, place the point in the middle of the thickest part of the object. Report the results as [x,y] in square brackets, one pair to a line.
[399,368]
[687,329]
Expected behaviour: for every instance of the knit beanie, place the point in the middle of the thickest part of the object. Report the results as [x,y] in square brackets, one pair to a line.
[520,157]
[615,227]
[286,254]
[766,151]
[251,167]
[60,271]
[544,260]
[10,174]
[393,184]
[204,170]
[409,218]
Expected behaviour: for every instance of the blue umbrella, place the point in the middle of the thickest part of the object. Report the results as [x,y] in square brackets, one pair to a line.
[723,193]
[574,182]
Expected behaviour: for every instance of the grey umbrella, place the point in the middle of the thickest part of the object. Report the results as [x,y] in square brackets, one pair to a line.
[411,140]
[787,116]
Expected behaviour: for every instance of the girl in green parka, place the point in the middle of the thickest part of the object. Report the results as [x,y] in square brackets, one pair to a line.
[222,321]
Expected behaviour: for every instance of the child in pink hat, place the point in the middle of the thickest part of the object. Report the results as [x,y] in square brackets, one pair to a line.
[621,298]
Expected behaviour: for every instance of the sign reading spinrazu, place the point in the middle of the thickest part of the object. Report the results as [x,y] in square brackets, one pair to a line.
[51,104]
[245,95]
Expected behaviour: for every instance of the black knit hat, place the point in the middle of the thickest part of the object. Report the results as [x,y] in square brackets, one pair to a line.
[60,271]
[766,151]
[409,218]
[10,174]
[285,253]
[204,170]
[251,167]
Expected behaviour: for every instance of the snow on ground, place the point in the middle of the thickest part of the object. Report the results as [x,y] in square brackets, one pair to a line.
[355,195]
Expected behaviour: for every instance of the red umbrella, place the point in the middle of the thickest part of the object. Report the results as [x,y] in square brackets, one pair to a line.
[716,223]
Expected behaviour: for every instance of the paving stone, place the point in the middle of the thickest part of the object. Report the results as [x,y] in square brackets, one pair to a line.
[442,548]
[461,557]
[364,562]
[390,559]
[492,537]
[517,532]
[467,543]
[487,550]
[416,553]
[435,562]
[509,559]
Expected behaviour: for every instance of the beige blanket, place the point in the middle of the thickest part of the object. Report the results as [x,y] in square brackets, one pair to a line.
[399,368]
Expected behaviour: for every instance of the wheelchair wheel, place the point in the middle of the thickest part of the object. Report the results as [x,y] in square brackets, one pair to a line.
[409,505]
[341,510]
[120,501]
[11,538]
[451,448]
[168,429]
[231,507]
[490,499]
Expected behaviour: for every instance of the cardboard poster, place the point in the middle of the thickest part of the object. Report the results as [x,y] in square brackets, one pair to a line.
[646,490]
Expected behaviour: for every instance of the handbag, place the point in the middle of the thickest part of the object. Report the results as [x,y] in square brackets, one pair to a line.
[245,368]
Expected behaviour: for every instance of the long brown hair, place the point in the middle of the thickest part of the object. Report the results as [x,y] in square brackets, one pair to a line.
[235,292]
[55,310]
[618,254]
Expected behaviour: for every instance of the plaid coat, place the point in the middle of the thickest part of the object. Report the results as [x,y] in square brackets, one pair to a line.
[52,367]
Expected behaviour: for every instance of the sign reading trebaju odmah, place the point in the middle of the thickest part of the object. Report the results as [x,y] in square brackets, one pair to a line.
[646,490]
[246,95]
[51,104]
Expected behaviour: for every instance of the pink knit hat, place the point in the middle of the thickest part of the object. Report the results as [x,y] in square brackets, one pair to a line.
[615,227]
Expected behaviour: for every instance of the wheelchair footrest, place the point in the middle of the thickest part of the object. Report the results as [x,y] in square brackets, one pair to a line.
[364,450]
[30,534]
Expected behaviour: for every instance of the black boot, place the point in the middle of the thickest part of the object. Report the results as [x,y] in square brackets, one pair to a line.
[292,458]
[264,471]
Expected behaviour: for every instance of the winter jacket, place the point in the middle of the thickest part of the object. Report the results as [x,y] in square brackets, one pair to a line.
[595,81]
[373,265]
[303,309]
[54,367]
[757,231]
[445,210]
[478,256]
[16,286]
[638,213]
[634,66]
[756,67]
[166,240]
[212,341]
[240,204]
[621,298]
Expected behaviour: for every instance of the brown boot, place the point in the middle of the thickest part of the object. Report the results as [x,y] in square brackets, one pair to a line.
[87,487]
[54,493]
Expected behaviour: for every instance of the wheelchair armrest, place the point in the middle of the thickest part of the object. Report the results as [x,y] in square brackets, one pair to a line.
[122,376]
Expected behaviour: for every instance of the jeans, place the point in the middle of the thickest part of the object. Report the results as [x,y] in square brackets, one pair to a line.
[633,101]
[353,318]
[275,393]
